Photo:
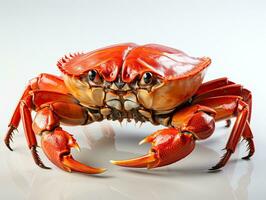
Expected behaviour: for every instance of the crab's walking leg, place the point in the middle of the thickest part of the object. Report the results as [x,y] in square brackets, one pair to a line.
[30,135]
[228,123]
[248,136]
[14,122]
[172,144]
[232,89]
[213,84]
[228,106]
[205,88]
[42,82]
[222,87]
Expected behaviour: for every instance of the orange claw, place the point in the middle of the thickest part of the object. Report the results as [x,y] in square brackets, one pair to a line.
[139,162]
[57,144]
[70,163]
[168,146]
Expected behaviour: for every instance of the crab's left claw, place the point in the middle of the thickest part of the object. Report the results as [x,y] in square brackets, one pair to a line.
[168,146]
[57,144]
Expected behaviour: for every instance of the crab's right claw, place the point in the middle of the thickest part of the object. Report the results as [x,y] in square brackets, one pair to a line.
[168,146]
[57,144]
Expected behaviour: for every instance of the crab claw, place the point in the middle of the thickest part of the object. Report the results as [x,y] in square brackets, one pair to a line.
[57,145]
[168,146]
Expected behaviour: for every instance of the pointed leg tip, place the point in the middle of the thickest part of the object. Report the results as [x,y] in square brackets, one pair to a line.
[222,161]
[37,159]
[9,147]
[246,157]
[9,136]
[43,166]
[215,168]
[228,123]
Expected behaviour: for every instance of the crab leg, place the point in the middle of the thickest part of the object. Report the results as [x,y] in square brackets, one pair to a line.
[228,106]
[248,136]
[247,97]
[231,89]
[30,136]
[15,119]
[234,137]
[213,84]
[222,87]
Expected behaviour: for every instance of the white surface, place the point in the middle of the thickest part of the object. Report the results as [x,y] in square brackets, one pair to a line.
[35,34]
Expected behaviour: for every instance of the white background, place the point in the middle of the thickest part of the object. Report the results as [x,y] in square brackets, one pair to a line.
[35,34]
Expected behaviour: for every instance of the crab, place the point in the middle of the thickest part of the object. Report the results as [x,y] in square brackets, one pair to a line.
[146,83]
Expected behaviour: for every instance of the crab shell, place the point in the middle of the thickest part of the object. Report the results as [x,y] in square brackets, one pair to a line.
[180,75]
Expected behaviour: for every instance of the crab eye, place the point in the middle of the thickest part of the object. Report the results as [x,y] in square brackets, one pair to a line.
[92,74]
[146,78]
[94,77]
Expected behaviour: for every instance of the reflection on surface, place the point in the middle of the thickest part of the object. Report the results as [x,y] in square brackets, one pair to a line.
[241,191]
[188,178]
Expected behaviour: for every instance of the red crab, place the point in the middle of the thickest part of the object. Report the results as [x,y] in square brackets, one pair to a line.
[151,83]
